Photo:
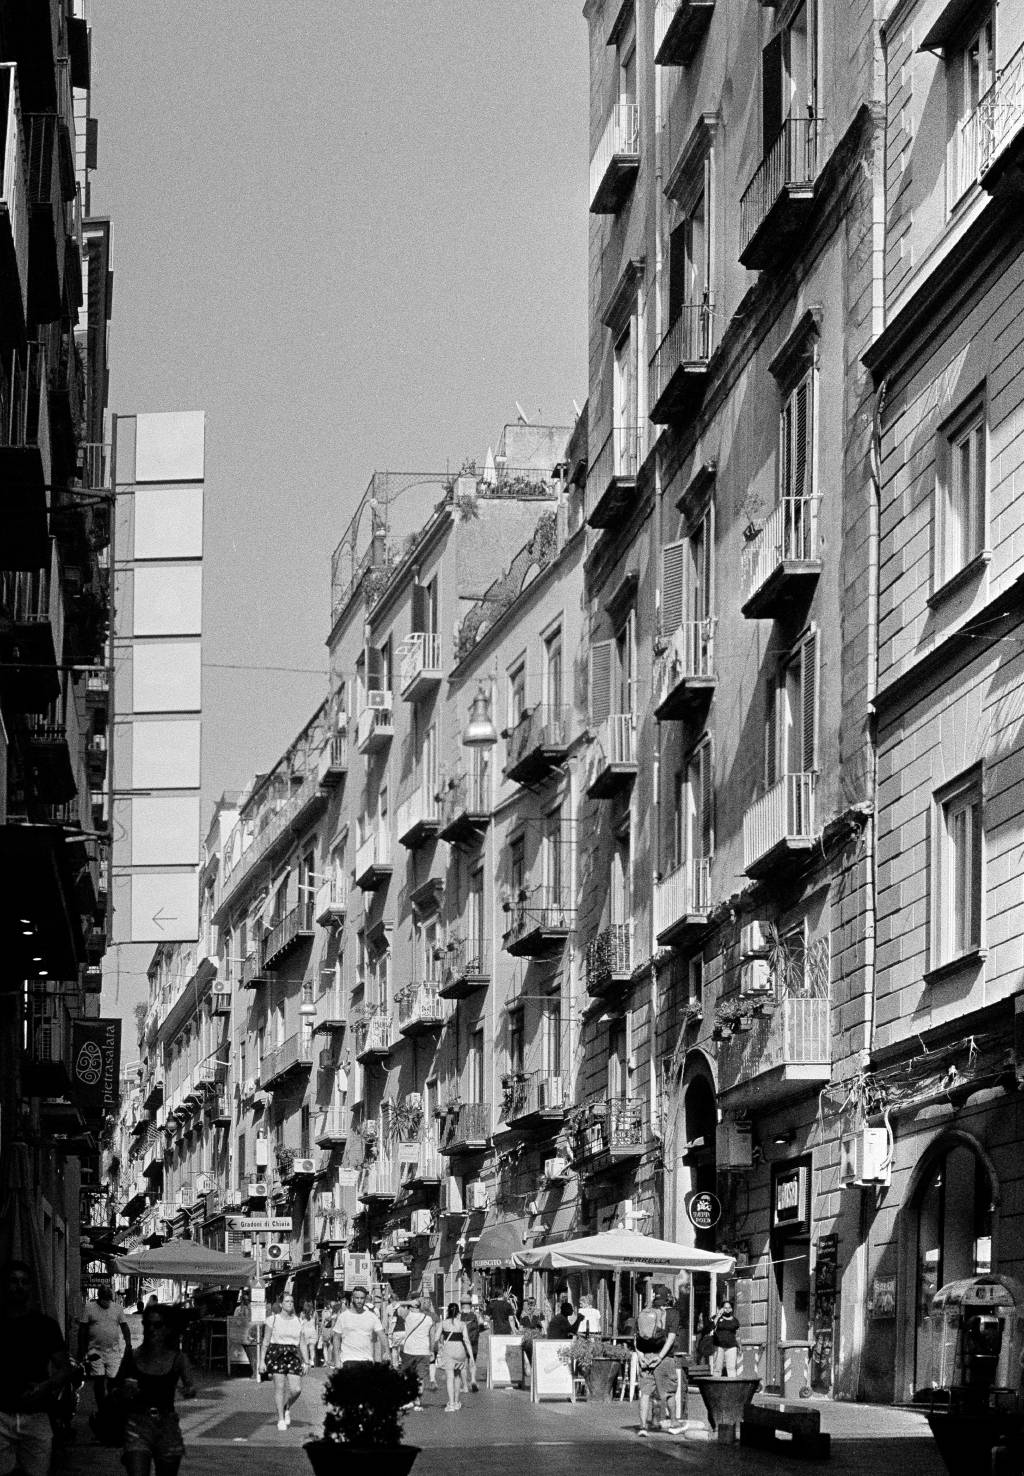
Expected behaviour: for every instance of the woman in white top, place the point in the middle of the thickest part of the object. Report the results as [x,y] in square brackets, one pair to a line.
[284,1356]
[588,1321]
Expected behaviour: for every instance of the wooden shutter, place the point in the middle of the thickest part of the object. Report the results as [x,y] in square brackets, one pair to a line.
[420,608]
[673,585]
[602,667]
[809,702]
[705,574]
[802,458]
[771,92]
[707,800]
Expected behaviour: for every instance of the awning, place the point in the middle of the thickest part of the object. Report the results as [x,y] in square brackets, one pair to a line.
[187,1260]
[498,1244]
[623,1250]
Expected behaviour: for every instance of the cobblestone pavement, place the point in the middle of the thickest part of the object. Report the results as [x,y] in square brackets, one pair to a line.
[501,1431]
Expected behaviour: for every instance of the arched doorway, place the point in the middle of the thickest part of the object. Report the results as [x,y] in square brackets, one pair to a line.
[949,1235]
[691,1153]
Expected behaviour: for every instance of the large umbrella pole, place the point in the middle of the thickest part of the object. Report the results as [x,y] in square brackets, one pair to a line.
[618,1303]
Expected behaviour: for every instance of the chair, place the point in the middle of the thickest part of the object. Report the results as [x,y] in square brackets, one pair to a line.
[627,1389]
[216,1350]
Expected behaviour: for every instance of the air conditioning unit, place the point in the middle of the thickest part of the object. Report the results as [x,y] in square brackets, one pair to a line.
[865,1158]
[369,1127]
[401,1239]
[756,977]
[419,1222]
[477,1196]
[303,1166]
[451,1197]
[733,1145]
[555,1168]
[549,1093]
[262,1153]
[257,1188]
[753,940]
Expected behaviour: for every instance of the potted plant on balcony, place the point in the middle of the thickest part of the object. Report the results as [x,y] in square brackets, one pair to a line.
[285,1160]
[599,1360]
[363,1424]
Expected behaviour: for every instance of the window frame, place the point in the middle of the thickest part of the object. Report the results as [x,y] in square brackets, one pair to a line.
[970,419]
[948,950]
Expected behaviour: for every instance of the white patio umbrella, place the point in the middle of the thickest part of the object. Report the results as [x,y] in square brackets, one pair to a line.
[187,1260]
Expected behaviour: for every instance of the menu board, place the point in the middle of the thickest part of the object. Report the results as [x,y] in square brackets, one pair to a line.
[550,1376]
[823,1330]
[504,1360]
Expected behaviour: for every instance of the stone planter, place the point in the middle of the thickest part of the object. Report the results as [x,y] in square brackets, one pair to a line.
[600,1378]
[332,1458]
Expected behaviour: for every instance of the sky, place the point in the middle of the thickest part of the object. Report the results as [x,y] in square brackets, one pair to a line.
[354,232]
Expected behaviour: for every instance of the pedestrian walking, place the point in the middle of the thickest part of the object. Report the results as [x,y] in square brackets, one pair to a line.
[454,1353]
[359,1333]
[725,1336]
[103,1336]
[467,1313]
[310,1331]
[283,1357]
[34,1372]
[414,1346]
[657,1328]
[327,1321]
[147,1380]
[243,1337]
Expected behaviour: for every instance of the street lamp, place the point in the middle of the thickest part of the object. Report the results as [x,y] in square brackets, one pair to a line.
[480,731]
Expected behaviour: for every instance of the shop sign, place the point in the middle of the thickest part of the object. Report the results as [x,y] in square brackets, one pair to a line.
[791,1198]
[356,1269]
[703,1209]
[883,1298]
[348,1178]
[96,1058]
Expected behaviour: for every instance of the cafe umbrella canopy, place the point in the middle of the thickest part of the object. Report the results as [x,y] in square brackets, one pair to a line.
[622,1250]
[187,1260]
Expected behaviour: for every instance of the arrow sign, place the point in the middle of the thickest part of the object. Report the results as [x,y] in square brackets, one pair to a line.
[160,917]
[259,1224]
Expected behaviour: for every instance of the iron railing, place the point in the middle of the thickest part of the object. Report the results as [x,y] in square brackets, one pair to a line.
[689,340]
[791,161]
[620,139]
[789,535]
[682,892]
[1003,108]
[785,813]
[419,654]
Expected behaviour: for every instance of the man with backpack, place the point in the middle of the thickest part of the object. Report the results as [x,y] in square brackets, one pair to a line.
[657,1328]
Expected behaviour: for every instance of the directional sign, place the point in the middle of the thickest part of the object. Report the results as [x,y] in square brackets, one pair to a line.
[261,1224]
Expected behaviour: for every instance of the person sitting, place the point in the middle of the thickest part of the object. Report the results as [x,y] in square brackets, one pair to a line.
[560,1326]
[588,1322]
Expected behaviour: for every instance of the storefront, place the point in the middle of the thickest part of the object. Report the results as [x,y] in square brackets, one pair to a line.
[789,1284]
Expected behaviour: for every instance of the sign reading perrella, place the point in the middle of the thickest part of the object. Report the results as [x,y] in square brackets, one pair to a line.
[703,1209]
[96,1064]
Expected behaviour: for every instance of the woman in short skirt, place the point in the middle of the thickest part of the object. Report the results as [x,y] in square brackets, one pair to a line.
[284,1356]
[147,1378]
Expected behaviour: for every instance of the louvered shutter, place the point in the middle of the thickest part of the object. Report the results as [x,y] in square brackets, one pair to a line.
[673,585]
[809,702]
[707,800]
[602,666]
[707,565]
[771,740]
[802,431]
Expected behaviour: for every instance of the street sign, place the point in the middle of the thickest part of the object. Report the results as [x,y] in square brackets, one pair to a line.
[259,1224]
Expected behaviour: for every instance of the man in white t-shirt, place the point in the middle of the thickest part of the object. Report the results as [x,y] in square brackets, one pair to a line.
[414,1345]
[588,1320]
[102,1338]
[359,1333]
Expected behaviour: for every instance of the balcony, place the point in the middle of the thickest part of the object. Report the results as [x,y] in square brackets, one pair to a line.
[304,801]
[373,860]
[331,903]
[152,1155]
[612,476]
[615,165]
[466,968]
[538,925]
[293,1056]
[46,745]
[218,1106]
[47,1070]
[533,1103]
[681,903]
[777,202]
[679,367]
[465,806]
[467,1129]
[294,929]
[26,462]
[253,974]
[419,673]
[332,1227]
[780,827]
[611,1135]
[781,563]
[154,1094]
[47,258]
[684,670]
[332,766]
[420,1009]
[97,690]
[679,28]
[1002,150]
[375,726]
[782,1055]
[96,760]
[14,226]
[427,1168]
[419,818]
[378,1183]
[538,744]
[610,959]
[220,1002]
[331,1126]
[611,760]
[330,1018]
[372,1037]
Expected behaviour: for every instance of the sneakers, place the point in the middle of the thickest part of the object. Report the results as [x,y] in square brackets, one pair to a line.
[282,1424]
[450,1408]
[643,1430]
[287,1418]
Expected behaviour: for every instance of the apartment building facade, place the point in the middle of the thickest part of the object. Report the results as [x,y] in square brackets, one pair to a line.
[948,370]
[54,568]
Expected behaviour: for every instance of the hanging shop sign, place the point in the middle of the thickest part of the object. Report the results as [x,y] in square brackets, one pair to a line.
[357,1269]
[96,1054]
[703,1209]
[791,1198]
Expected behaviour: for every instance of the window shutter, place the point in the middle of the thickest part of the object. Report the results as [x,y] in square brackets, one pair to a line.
[771,92]
[419,608]
[706,572]
[801,430]
[771,741]
[809,702]
[707,800]
[673,584]
[374,669]
[602,662]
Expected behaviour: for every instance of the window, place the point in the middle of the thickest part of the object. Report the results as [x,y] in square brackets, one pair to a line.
[796,444]
[789,78]
[515,1041]
[516,693]
[625,389]
[612,673]
[517,868]
[621,891]
[551,1036]
[475,916]
[240,1162]
[386,667]
[554,879]
[553,671]
[475,1063]
[307,887]
[959,862]
[961,503]
[791,724]
[687,572]
[972,72]
[695,981]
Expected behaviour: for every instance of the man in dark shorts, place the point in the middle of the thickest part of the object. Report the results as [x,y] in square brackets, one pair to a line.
[414,1343]
[657,1330]
[472,1321]
[34,1368]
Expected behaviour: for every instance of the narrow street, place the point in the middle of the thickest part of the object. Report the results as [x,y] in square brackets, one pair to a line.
[501,1431]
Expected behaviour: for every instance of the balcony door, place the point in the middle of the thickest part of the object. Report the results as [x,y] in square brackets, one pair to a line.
[626,382]
[789,74]
[554,861]
[792,723]
[553,672]
[475,917]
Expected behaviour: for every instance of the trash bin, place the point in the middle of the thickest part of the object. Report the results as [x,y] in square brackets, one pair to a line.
[794,1362]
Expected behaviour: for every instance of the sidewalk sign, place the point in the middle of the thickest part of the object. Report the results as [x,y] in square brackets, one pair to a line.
[504,1360]
[550,1377]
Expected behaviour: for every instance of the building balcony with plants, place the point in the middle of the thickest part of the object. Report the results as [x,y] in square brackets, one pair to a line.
[607,1130]
[465,967]
[774,1032]
[534,1101]
[466,1127]
[539,921]
[609,958]
[420,1008]
[538,744]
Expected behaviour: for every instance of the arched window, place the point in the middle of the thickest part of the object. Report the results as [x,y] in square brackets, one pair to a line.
[954,1234]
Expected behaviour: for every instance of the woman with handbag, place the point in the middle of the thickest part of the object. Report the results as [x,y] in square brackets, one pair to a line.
[284,1356]
[454,1353]
[144,1389]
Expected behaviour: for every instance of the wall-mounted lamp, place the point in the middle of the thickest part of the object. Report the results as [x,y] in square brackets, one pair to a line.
[307,1009]
[784,1138]
[480,731]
